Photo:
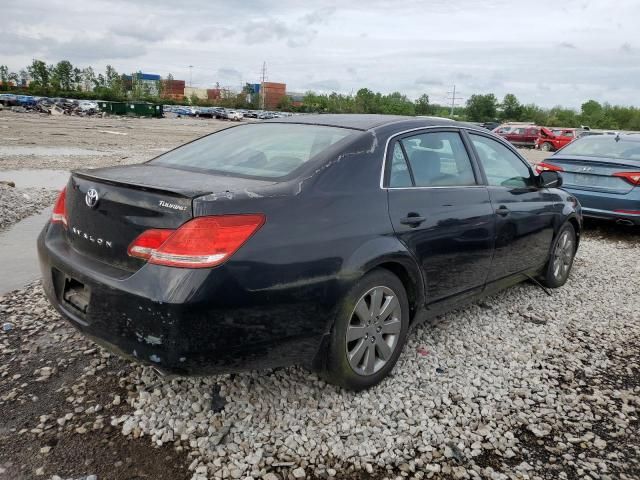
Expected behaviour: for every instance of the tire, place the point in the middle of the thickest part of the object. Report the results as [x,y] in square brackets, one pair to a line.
[370,353]
[546,147]
[561,258]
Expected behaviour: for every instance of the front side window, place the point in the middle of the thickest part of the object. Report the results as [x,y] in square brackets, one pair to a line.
[269,150]
[438,159]
[502,167]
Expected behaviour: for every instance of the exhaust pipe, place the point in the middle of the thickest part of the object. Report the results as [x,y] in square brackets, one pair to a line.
[623,221]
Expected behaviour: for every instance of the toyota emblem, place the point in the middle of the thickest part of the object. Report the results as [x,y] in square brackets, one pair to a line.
[91,198]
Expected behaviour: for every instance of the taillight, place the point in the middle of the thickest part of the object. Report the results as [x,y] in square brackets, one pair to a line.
[148,242]
[201,242]
[59,214]
[545,167]
[632,177]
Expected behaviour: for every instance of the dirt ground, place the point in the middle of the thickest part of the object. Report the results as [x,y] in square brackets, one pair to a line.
[42,141]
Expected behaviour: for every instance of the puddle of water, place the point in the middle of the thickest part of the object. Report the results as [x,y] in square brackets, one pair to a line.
[28,178]
[18,255]
[13,150]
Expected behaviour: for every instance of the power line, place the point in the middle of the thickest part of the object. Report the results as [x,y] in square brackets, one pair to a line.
[453,98]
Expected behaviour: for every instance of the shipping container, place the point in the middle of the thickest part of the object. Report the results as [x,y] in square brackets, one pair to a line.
[273,93]
[200,93]
[214,93]
[147,76]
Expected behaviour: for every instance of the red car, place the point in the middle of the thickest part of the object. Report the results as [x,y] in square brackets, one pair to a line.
[554,139]
[520,136]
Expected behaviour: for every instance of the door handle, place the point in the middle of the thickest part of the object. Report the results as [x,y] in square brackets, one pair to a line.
[502,211]
[412,219]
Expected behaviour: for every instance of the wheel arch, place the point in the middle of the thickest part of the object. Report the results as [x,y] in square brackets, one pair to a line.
[573,220]
[381,253]
[391,254]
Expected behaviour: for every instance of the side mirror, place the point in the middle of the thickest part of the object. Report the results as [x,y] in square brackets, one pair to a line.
[549,179]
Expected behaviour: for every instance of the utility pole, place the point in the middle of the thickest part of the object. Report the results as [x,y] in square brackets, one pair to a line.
[191,75]
[263,78]
[453,99]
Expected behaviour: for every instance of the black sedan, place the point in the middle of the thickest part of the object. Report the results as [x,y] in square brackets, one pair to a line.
[317,240]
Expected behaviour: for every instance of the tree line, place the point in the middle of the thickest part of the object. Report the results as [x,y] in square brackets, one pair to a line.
[65,80]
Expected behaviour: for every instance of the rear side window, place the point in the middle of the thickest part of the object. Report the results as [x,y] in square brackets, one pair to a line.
[268,150]
[400,176]
[438,159]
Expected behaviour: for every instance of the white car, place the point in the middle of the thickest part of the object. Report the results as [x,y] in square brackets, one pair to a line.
[233,115]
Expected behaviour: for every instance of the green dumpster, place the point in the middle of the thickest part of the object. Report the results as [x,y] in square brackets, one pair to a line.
[104,106]
[118,108]
[141,109]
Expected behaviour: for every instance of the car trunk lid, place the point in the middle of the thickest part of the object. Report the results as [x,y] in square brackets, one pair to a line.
[594,174]
[131,200]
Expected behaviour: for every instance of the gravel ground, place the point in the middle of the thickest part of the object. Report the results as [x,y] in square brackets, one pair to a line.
[58,393]
[19,203]
[520,386]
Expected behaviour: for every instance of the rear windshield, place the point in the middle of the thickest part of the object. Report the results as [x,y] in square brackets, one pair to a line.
[268,150]
[604,146]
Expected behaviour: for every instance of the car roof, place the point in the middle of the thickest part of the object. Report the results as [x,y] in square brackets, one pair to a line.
[366,121]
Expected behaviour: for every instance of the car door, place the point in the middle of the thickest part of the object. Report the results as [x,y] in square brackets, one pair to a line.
[532,134]
[440,210]
[517,136]
[525,213]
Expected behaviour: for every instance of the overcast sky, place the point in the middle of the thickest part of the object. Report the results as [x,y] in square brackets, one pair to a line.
[547,52]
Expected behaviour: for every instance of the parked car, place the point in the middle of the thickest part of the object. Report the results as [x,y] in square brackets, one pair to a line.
[317,240]
[551,140]
[521,136]
[490,125]
[233,115]
[603,172]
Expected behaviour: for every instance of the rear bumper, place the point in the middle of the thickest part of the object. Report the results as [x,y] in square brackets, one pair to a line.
[608,206]
[183,321]
[611,215]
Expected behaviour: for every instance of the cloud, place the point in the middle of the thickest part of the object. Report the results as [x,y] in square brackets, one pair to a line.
[329,85]
[426,81]
[12,43]
[147,31]
[75,49]
[343,46]
[319,16]
[294,35]
[228,75]
[88,50]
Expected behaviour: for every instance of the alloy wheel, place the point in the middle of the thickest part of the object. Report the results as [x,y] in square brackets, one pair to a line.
[563,256]
[374,330]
